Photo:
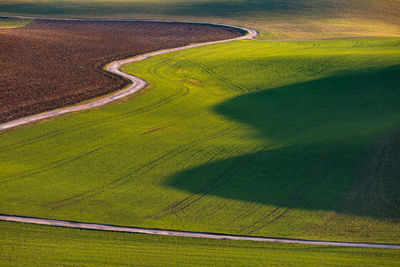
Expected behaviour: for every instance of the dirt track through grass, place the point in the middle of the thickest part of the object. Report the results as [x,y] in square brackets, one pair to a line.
[29,244]
[114,228]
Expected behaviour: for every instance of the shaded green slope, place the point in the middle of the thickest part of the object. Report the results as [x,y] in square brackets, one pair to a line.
[206,8]
[329,153]
[291,139]
[304,19]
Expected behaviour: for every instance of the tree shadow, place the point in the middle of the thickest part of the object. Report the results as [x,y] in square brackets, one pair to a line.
[240,8]
[328,138]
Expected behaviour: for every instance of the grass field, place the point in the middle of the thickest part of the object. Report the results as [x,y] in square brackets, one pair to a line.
[290,139]
[275,19]
[31,245]
[13,23]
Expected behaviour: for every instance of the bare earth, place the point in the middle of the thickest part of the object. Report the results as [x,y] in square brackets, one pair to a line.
[56,63]
[114,67]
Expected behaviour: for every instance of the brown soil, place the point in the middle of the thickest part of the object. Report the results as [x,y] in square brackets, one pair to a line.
[51,64]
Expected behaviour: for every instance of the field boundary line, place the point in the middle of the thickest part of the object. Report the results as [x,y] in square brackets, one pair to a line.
[153,231]
[137,83]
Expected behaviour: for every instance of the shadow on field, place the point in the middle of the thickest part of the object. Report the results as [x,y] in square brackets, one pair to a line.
[239,8]
[337,148]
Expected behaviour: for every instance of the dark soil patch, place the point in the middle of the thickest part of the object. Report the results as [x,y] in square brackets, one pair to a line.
[51,64]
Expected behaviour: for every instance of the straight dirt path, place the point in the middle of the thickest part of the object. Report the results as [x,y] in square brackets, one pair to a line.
[115,228]
[114,67]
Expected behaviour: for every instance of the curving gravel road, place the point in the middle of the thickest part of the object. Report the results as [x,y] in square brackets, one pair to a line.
[115,228]
[114,67]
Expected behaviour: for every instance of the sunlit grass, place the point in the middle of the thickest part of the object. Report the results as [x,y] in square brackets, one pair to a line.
[7,23]
[260,138]
[31,245]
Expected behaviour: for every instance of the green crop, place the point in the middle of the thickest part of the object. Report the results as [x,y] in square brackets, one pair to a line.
[274,19]
[289,139]
[32,245]
[13,23]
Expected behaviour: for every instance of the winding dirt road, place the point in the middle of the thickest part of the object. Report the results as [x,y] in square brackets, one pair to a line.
[114,67]
[115,228]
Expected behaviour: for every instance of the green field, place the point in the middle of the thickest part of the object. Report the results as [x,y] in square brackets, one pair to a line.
[288,139]
[280,139]
[31,245]
[275,19]
[13,23]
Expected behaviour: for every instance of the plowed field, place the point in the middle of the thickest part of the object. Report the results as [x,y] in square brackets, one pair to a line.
[51,64]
